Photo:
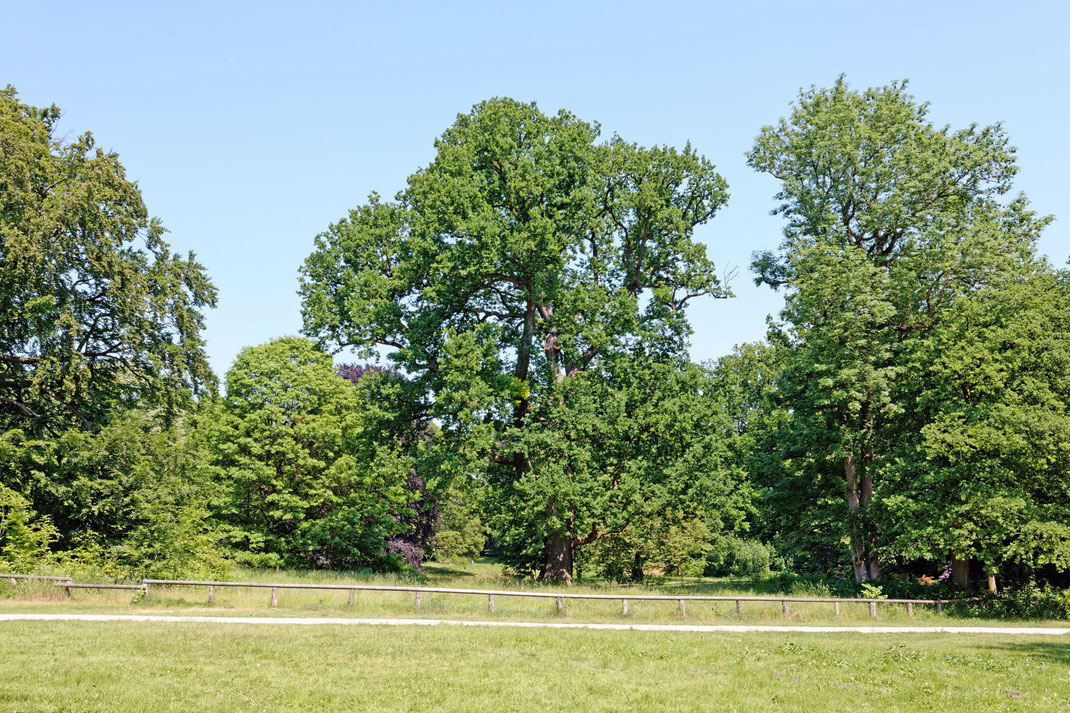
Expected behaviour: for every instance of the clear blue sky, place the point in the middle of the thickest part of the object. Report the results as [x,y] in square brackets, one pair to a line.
[252,126]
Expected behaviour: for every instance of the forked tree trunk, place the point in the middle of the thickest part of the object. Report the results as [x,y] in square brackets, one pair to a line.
[558,565]
[859,555]
[873,569]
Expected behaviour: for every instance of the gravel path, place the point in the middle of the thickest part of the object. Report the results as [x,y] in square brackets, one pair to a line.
[731,628]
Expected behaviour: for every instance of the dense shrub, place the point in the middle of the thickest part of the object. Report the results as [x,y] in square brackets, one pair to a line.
[1025,601]
[737,557]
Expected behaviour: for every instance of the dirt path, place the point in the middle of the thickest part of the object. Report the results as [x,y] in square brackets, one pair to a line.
[732,628]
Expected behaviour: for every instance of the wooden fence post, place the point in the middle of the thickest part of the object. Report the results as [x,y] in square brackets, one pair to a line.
[560,604]
[490,603]
[683,612]
[274,597]
[418,600]
[624,607]
[351,593]
[739,607]
[787,609]
[837,605]
[873,609]
[910,609]
[939,607]
[211,593]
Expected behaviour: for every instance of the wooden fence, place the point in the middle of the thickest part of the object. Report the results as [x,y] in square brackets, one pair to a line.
[16,577]
[558,597]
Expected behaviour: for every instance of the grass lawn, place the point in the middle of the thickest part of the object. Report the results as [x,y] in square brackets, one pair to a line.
[80,666]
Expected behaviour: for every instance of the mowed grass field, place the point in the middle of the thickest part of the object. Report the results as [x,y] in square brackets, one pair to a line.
[43,597]
[114,667]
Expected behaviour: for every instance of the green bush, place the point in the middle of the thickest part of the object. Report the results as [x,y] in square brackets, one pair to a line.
[461,535]
[24,537]
[736,557]
[1026,601]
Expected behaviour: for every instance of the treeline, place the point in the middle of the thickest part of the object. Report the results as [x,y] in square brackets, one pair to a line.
[907,418]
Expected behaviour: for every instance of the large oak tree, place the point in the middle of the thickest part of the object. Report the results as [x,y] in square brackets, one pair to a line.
[512,282]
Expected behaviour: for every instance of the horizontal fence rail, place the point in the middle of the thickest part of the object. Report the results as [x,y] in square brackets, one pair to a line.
[41,577]
[71,585]
[558,597]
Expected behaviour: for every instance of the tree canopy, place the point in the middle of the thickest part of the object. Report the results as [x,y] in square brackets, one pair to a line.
[893,226]
[95,309]
[300,481]
[508,279]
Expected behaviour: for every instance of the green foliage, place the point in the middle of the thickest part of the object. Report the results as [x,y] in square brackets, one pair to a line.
[128,498]
[24,539]
[461,534]
[303,479]
[100,356]
[1026,601]
[986,477]
[511,279]
[740,557]
[899,260]
[88,322]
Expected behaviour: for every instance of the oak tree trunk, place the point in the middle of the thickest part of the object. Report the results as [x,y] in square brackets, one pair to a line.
[558,565]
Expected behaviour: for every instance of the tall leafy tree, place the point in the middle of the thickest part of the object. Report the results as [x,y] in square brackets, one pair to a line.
[304,478]
[506,279]
[100,353]
[985,477]
[95,310]
[890,222]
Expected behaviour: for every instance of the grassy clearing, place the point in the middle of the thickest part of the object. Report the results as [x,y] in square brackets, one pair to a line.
[65,666]
[39,596]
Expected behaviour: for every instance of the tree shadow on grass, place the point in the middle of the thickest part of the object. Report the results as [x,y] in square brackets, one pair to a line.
[1056,651]
[438,571]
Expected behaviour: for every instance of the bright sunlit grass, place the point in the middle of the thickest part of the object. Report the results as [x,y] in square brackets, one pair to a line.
[79,666]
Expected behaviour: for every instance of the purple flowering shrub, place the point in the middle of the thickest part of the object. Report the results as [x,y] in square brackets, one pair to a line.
[409,552]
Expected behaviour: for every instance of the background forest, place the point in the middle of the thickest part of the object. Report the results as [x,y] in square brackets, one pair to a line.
[525,300]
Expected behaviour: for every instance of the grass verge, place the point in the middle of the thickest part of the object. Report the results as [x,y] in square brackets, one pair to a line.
[67,666]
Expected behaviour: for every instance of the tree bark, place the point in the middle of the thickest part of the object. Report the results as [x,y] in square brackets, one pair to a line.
[859,496]
[858,547]
[873,569]
[559,558]
[637,568]
[992,584]
[960,572]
